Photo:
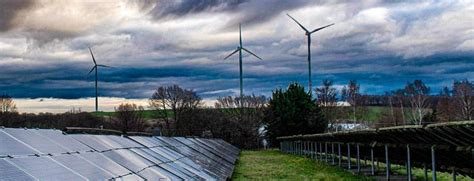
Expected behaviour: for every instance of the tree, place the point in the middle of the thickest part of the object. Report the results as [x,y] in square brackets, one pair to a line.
[292,111]
[130,117]
[177,99]
[248,118]
[7,105]
[327,99]
[418,94]
[400,97]
[463,92]
[352,96]
[445,105]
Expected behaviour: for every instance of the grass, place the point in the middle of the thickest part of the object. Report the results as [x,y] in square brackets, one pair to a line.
[418,174]
[274,165]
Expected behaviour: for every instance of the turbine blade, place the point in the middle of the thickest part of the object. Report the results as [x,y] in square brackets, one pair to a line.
[297,22]
[100,65]
[92,70]
[317,29]
[232,53]
[240,34]
[93,59]
[248,51]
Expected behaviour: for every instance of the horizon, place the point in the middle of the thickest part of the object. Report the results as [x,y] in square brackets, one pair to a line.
[382,45]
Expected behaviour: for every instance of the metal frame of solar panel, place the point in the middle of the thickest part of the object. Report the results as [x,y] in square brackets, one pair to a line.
[442,146]
[25,153]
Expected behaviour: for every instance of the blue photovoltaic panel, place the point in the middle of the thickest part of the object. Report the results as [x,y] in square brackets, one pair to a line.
[11,146]
[216,162]
[218,148]
[120,142]
[211,166]
[39,143]
[211,150]
[59,138]
[90,142]
[109,165]
[169,167]
[11,172]
[158,152]
[83,167]
[44,168]
[133,162]
[40,154]
[214,149]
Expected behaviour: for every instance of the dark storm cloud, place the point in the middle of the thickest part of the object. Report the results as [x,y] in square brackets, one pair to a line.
[243,11]
[382,45]
[166,8]
[9,10]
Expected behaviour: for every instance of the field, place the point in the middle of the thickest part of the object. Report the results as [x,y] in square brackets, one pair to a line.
[274,165]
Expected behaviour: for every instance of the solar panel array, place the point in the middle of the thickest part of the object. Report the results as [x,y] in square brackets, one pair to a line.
[44,154]
[448,146]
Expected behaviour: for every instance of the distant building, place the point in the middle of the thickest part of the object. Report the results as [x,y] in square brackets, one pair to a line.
[346,127]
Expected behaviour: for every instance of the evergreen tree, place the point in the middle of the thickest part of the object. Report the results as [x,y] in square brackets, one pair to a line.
[292,112]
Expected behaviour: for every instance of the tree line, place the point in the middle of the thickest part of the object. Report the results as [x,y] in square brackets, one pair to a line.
[180,112]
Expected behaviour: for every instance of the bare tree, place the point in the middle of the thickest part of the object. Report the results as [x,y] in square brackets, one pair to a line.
[248,119]
[175,98]
[390,103]
[130,117]
[463,92]
[445,106]
[352,96]
[400,97]
[418,96]
[327,100]
[7,105]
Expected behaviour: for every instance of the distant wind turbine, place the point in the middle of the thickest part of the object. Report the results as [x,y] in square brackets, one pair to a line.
[308,34]
[239,49]
[96,67]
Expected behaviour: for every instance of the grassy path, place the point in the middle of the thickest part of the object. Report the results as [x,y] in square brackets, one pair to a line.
[274,165]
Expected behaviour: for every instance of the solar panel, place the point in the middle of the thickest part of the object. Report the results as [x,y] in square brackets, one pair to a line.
[133,162]
[83,167]
[109,165]
[11,146]
[11,172]
[214,149]
[167,151]
[25,153]
[59,138]
[45,168]
[168,165]
[39,143]
[202,157]
[119,142]
[91,142]
[159,151]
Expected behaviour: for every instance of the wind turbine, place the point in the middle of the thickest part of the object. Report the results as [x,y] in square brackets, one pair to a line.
[96,67]
[308,34]
[239,49]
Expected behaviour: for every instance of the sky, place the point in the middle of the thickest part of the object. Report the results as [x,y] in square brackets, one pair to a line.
[382,44]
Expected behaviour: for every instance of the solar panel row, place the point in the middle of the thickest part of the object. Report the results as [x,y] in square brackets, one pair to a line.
[40,154]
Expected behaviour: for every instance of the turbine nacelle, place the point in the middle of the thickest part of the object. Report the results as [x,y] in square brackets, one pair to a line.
[307,32]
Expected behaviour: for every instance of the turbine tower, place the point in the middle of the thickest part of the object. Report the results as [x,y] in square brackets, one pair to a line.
[308,34]
[96,67]
[239,49]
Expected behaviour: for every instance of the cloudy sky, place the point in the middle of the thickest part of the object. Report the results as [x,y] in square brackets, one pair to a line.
[381,44]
